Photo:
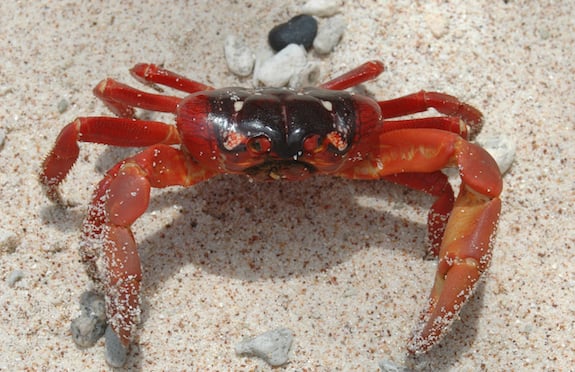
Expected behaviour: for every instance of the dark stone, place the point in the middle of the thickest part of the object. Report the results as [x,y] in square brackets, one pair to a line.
[300,30]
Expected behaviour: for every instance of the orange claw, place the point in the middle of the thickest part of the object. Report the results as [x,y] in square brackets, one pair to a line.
[464,255]
[466,249]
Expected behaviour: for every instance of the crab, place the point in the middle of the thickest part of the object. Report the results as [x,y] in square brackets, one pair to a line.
[277,134]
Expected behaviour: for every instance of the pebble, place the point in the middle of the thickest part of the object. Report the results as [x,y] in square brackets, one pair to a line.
[389,366]
[299,30]
[9,241]
[14,277]
[63,105]
[329,34]
[239,56]
[277,70]
[501,148]
[321,8]
[437,23]
[2,138]
[306,77]
[91,324]
[273,346]
[116,353]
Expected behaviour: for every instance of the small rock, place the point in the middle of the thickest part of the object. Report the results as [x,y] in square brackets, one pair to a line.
[437,23]
[9,241]
[273,346]
[305,77]
[86,331]
[14,277]
[279,69]
[2,138]
[116,353]
[329,34]
[501,148]
[63,105]
[239,56]
[93,305]
[299,30]
[262,55]
[321,8]
[389,366]
[91,324]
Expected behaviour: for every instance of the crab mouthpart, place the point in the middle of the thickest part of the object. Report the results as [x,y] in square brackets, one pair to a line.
[280,170]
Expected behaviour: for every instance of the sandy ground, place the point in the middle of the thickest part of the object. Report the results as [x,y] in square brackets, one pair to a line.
[338,262]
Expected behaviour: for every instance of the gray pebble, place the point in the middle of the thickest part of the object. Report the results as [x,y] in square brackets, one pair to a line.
[90,325]
[9,241]
[273,346]
[86,331]
[93,305]
[63,105]
[239,56]
[389,366]
[501,148]
[116,353]
[277,70]
[329,34]
[14,277]
[321,8]
[2,138]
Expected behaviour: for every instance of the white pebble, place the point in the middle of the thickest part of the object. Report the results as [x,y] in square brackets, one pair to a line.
[437,23]
[279,69]
[239,56]
[329,34]
[321,8]
[262,55]
[272,346]
[8,241]
[501,148]
[306,77]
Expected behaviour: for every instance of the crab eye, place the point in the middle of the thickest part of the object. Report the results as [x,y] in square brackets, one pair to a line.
[259,145]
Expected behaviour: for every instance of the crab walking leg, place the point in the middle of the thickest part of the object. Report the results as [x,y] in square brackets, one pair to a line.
[435,184]
[121,99]
[443,103]
[121,198]
[367,71]
[107,130]
[150,74]
[465,250]
[448,123]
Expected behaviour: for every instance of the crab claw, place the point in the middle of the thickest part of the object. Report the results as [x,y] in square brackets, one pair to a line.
[465,251]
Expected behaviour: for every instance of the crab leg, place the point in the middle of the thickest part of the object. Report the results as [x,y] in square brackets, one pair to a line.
[121,99]
[435,184]
[153,74]
[443,103]
[367,71]
[465,250]
[121,198]
[107,130]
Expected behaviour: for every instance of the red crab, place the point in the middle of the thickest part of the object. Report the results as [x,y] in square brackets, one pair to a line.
[281,134]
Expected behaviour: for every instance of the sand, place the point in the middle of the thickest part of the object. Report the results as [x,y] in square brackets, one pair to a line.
[340,263]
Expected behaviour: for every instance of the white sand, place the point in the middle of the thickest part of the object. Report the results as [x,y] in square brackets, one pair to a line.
[338,262]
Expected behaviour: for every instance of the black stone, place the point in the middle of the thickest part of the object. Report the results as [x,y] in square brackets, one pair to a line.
[300,30]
